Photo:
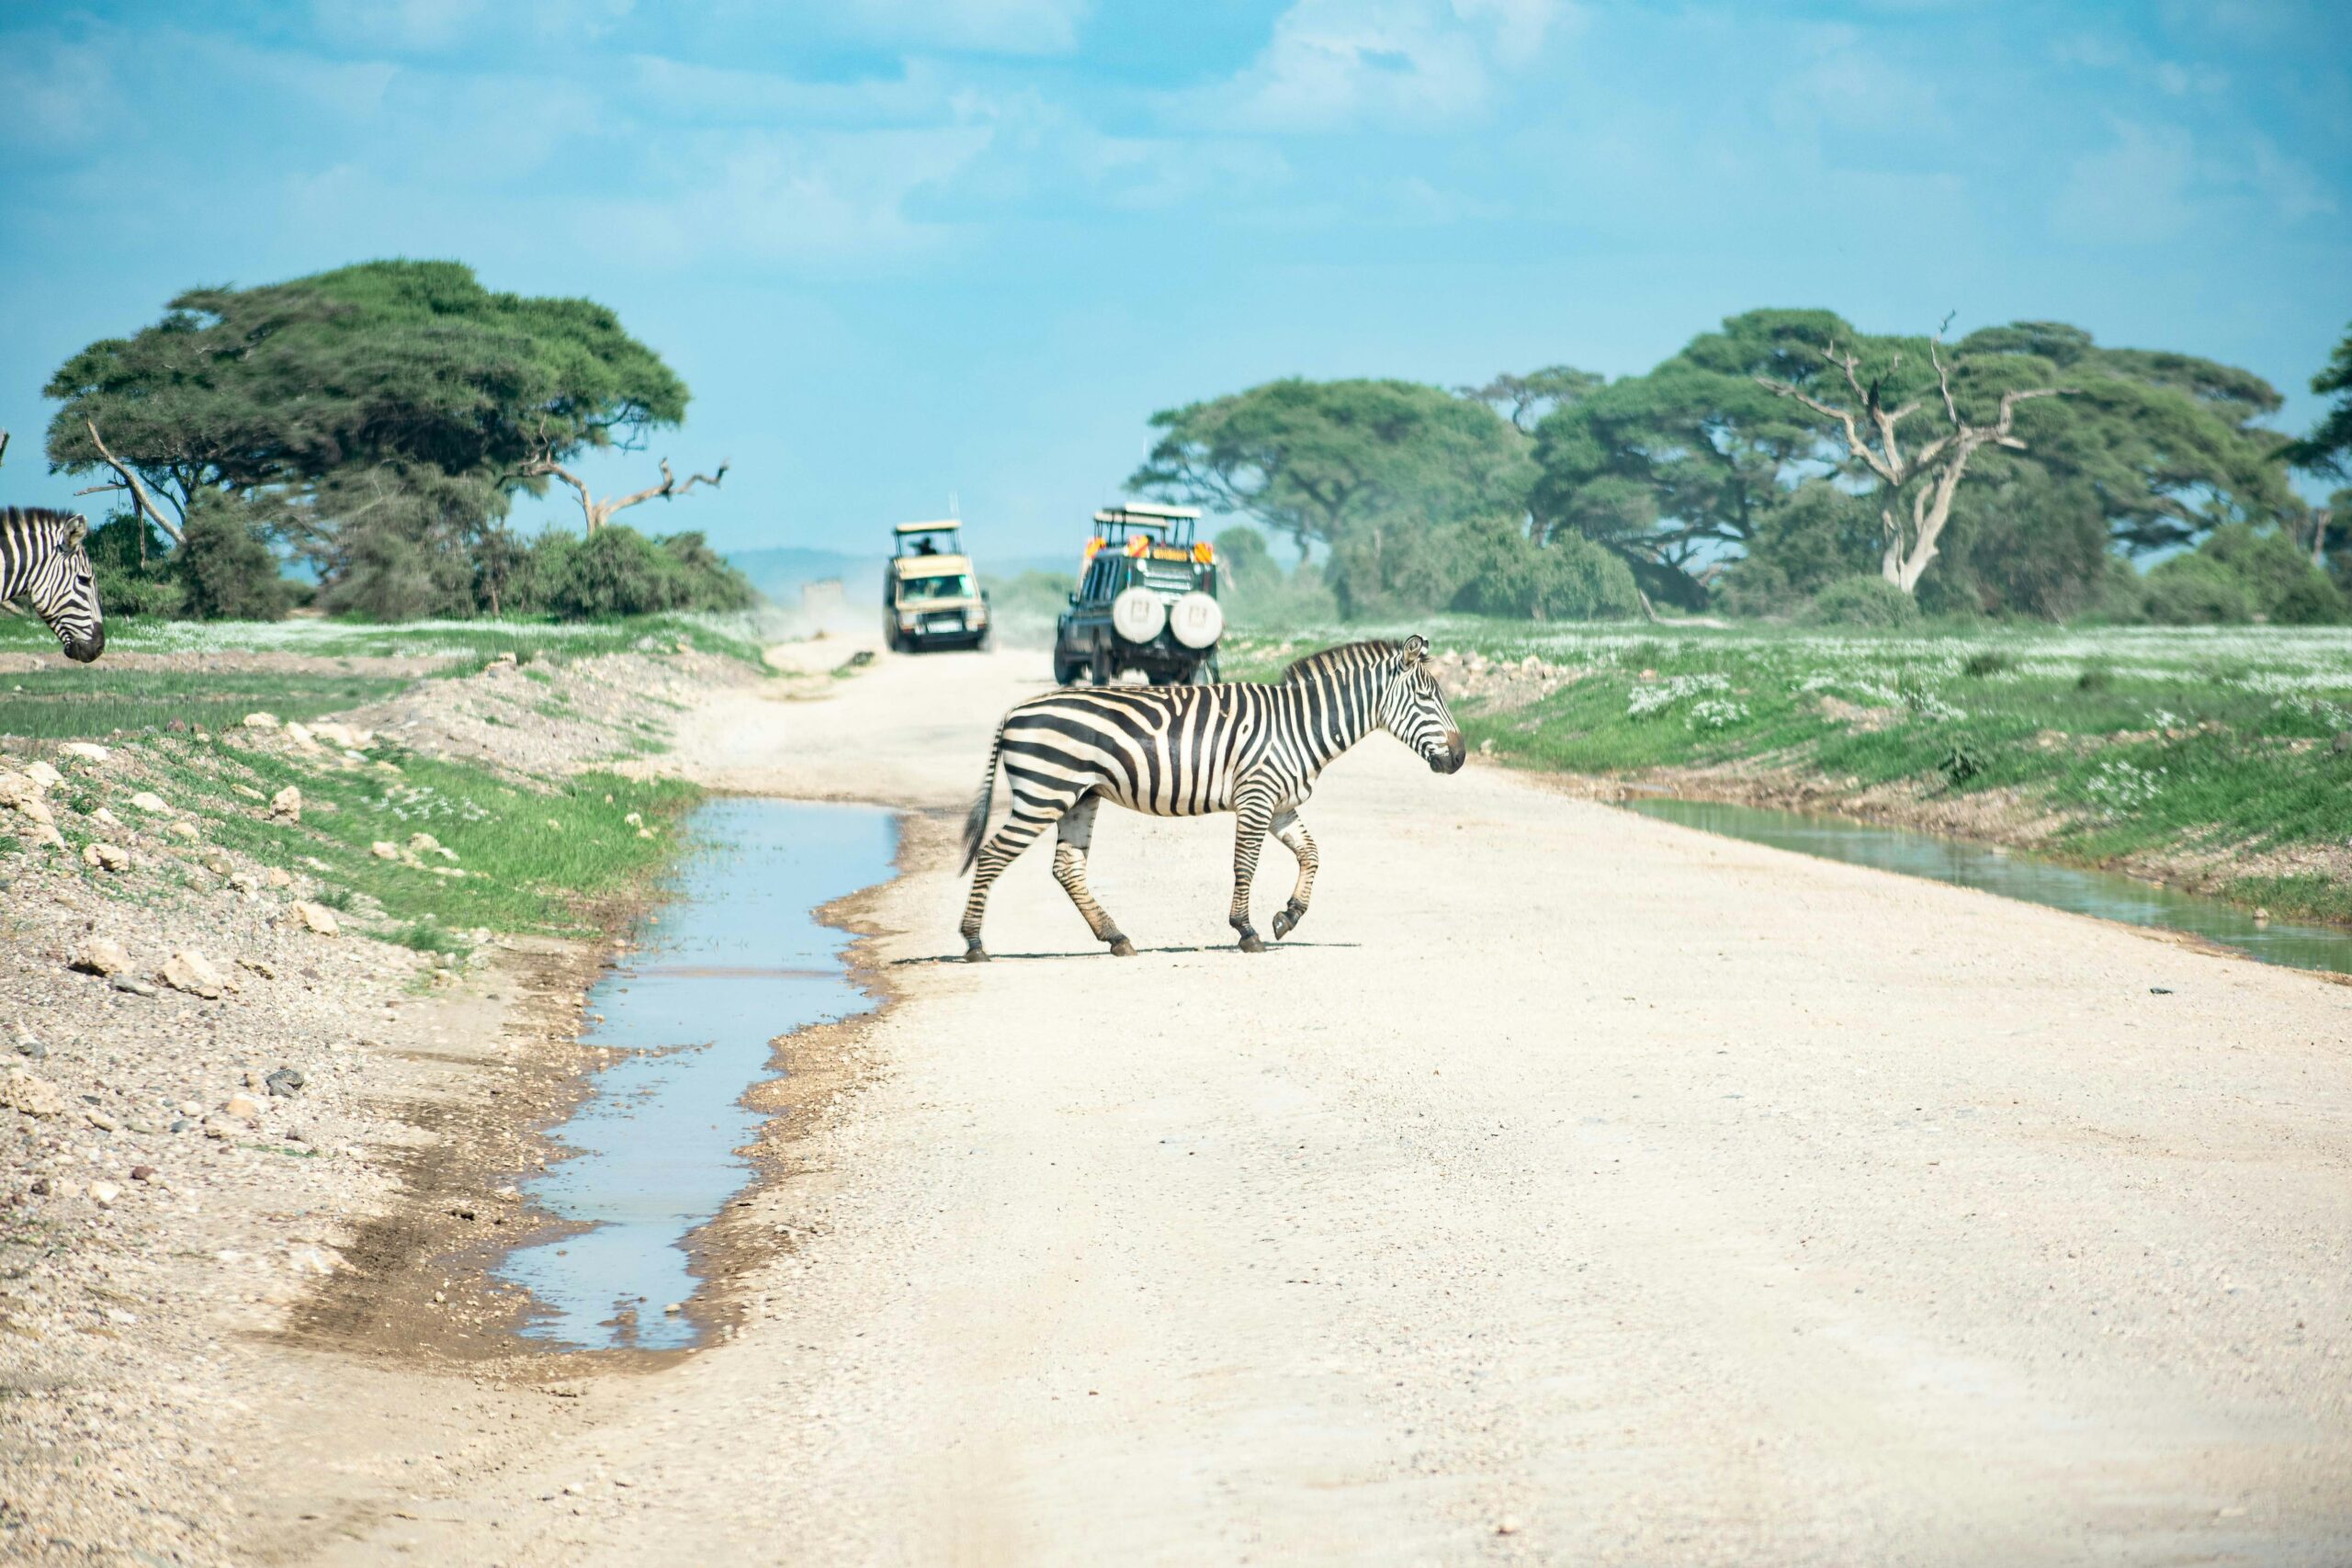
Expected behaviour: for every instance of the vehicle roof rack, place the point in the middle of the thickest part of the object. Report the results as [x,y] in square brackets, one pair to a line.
[930,527]
[1138,512]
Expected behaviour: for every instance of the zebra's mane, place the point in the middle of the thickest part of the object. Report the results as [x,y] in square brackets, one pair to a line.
[1347,655]
[34,516]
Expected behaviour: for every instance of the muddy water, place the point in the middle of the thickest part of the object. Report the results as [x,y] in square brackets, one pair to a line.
[2098,893]
[734,960]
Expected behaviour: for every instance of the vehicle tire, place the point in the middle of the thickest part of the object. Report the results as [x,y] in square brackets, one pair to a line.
[890,636]
[1166,677]
[986,640]
[1066,673]
[1203,674]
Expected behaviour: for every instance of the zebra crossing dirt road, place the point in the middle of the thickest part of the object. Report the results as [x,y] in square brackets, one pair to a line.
[1572,1188]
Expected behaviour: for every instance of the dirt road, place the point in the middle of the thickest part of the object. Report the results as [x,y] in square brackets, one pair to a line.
[1571,1189]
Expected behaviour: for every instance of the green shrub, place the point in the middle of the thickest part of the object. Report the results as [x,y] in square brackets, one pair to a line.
[2198,591]
[1503,571]
[617,571]
[1862,602]
[2314,600]
[1815,536]
[130,562]
[225,570]
[1980,665]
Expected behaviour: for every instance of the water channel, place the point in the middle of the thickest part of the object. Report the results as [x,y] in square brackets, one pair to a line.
[734,959]
[2013,875]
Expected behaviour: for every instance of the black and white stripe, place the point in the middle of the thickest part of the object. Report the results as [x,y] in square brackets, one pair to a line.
[1254,751]
[43,563]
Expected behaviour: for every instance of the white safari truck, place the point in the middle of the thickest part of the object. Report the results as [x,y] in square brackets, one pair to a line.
[931,596]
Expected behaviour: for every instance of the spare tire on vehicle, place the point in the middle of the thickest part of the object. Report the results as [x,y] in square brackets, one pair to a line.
[1197,620]
[1138,616]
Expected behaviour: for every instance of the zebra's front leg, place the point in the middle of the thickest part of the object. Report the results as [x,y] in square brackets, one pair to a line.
[1252,815]
[1003,847]
[1073,834]
[1293,833]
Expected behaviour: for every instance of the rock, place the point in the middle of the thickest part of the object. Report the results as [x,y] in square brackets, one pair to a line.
[258,968]
[107,857]
[179,1125]
[383,849]
[103,1193]
[100,956]
[317,917]
[100,1120]
[287,803]
[182,828]
[189,970]
[43,1187]
[44,775]
[277,878]
[1507,1525]
[302,737]
[89,751]
[345,735]
[31,1096]
[554,826]
[2261,916]
[261,721]
[427,844]
[142,1173]
[217,863]
[136,987]
[244,882]
[15,789]
[190,1108]
[2342,742]
[244,1107]
[285,1083]
[310,1260]
[150,801]
[105,818]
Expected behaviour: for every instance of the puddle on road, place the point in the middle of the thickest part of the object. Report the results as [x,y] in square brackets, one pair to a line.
[2013,875]
[734,960]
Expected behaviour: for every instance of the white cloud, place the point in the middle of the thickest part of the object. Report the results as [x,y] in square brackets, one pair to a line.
[58,93]
[1333,63]
[714,94]
[406,25]
[2155,183]
[985,27]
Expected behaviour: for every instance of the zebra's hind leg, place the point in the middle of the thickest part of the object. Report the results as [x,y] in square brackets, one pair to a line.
[1003,848]
[1072,835]
[1293,833]
[1252,813]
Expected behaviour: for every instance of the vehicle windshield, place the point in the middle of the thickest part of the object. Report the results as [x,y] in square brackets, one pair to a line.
[948,585]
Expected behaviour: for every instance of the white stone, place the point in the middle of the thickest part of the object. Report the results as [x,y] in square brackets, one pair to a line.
[101,955]
[287,803]
[148,801]
[317,917]
[189,970]
[43,774]
[30,1094]
[383,849]
[89,751]
[107,857]
[261,721]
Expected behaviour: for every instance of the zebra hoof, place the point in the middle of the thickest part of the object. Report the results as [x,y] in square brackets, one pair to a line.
[1122,948]
[975,953]
[1250,942]
[1286,922]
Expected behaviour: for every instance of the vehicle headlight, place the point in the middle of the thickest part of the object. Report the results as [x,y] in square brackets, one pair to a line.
[906,620]
[980,614]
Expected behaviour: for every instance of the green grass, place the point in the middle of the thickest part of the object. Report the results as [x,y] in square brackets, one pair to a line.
[2138,744]
[469,644]
[94,701]
[536,859]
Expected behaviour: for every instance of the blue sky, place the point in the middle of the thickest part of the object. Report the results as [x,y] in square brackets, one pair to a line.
[900,248]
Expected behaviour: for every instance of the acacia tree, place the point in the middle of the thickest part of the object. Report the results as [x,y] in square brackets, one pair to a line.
[391,395]
[1931,472]
[1367,470]
[2328,450]
[1524,399]
[599,513]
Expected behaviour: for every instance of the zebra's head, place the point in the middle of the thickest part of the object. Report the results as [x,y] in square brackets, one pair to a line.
[51,573]
[1414,710]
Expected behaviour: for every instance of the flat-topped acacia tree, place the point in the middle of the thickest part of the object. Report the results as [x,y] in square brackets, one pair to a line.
[400,399]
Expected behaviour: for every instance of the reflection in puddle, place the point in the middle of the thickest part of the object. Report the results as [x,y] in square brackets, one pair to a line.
[736,960]
[2020,876]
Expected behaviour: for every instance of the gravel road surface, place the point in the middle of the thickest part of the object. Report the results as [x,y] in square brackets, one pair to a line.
[1572,1188]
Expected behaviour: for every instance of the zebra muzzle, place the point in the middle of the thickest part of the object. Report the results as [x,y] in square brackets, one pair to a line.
[82,651]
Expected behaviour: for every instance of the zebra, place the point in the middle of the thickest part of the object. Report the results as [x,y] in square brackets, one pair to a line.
[43,561]
[1253,749]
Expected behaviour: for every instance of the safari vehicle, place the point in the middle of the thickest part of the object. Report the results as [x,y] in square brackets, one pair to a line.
[1147,602]
[930,597]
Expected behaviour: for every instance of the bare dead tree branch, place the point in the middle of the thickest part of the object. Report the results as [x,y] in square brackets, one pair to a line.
[1939,463]
[139,496]
[3,445]
[599,513]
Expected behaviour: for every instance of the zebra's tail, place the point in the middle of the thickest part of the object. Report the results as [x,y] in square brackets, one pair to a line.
[976,825]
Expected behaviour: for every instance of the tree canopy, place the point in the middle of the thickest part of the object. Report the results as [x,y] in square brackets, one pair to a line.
[398,399]
[1678,470]
[2328,448]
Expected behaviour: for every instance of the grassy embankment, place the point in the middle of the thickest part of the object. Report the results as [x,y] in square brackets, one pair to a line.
[2208,756]
[539,855]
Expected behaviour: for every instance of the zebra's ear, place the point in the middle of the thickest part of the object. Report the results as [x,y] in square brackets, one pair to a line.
[1417,647]
[77,531]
